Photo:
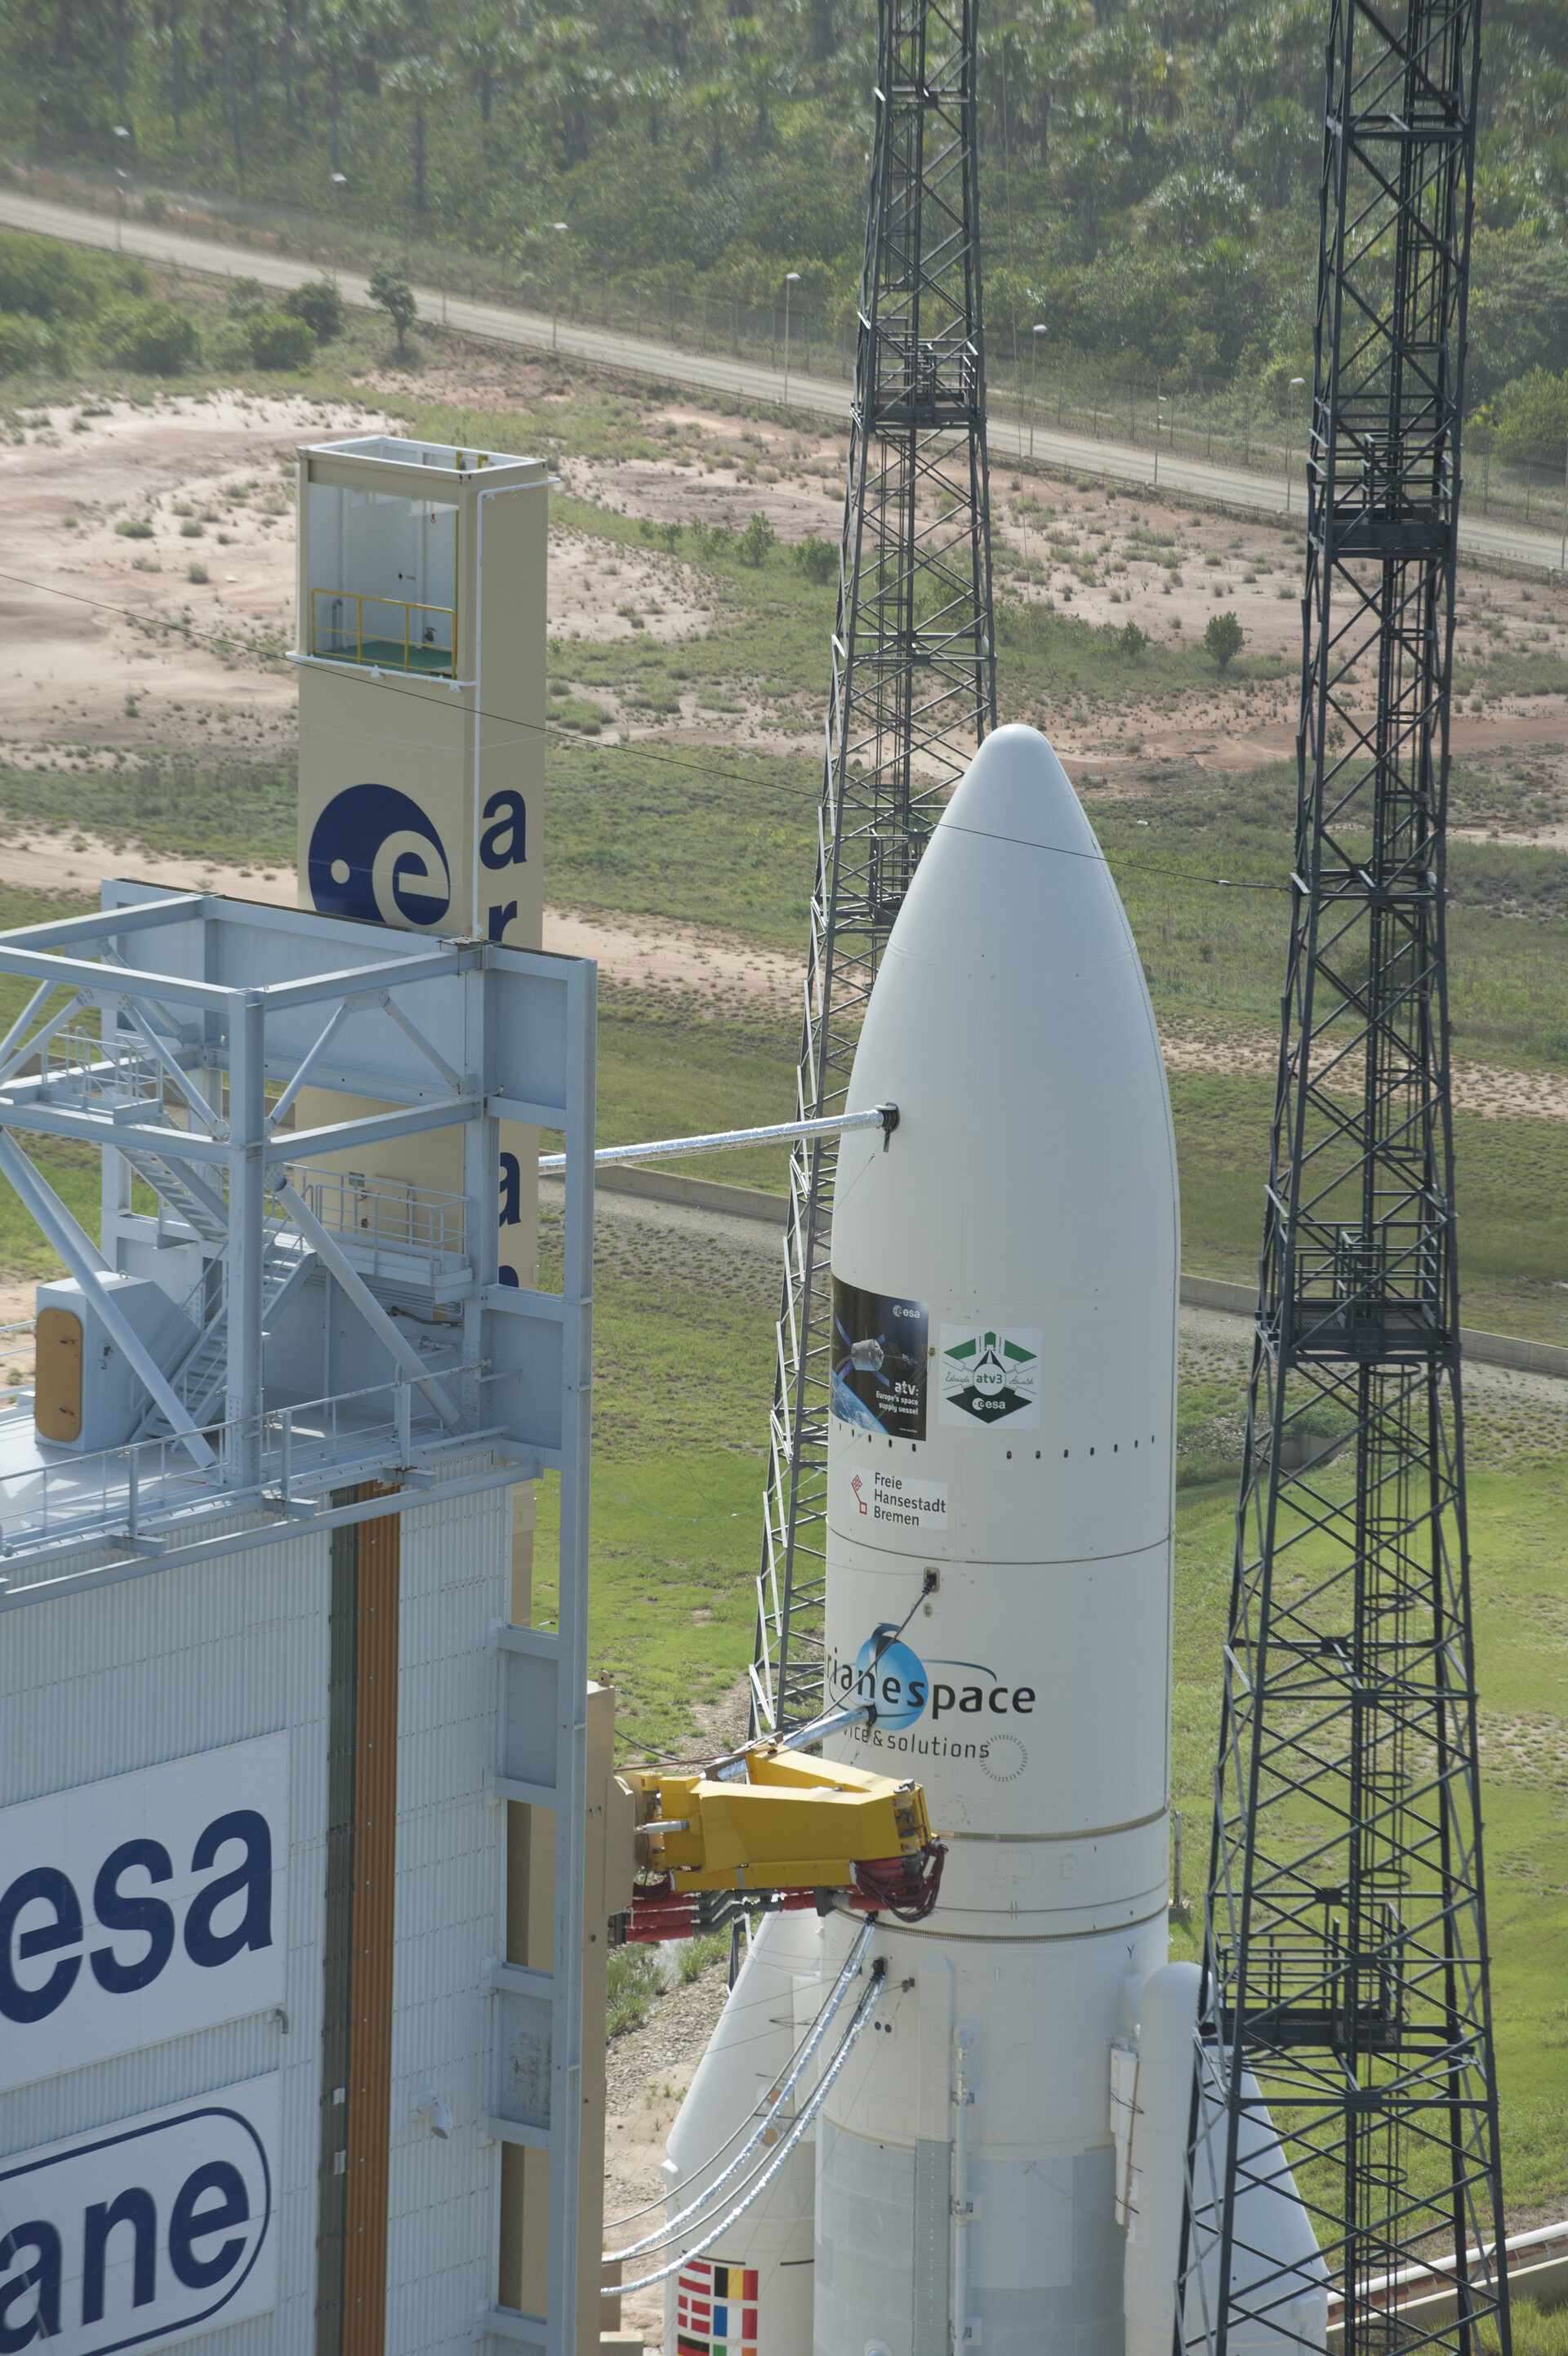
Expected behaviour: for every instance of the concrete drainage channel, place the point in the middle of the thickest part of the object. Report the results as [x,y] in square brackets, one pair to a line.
[1196,1291]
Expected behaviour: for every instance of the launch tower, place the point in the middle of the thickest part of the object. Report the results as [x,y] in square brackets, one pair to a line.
[1345,1976]
[913,693]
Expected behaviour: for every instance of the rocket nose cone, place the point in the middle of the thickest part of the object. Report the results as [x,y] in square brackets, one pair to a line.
[1016,790]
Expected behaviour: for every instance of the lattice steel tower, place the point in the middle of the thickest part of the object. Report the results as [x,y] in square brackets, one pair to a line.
[1345,1967]
[913,692]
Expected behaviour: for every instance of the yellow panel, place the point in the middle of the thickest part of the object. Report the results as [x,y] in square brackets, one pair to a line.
[57,1398]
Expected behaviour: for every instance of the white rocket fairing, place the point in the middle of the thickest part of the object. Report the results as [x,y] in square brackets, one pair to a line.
[1004,1288]
[1018,1248]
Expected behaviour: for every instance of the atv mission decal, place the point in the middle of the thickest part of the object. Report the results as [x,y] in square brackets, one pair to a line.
[880,1361]
[990,1374]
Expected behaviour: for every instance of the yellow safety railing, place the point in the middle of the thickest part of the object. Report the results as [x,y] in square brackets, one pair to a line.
[401,636]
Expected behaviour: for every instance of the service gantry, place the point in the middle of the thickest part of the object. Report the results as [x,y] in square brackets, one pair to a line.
[913,692]
[1345,1967]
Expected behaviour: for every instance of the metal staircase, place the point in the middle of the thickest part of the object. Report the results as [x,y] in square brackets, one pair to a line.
[199,1377]
[177,1185]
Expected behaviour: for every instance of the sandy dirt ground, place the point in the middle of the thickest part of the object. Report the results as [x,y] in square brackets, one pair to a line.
[82,676]
[108,637]
[647,2074]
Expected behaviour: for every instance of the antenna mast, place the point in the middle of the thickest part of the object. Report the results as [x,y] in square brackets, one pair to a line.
[913,693]
[1345,1976]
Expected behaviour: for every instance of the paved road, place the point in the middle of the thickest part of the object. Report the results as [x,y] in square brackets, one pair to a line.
[1226,485]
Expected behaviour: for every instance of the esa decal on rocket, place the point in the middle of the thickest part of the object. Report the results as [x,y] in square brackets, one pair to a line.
[999,1566]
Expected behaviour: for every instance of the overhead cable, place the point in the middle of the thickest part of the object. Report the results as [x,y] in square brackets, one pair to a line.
[863,2010]
[819,2030]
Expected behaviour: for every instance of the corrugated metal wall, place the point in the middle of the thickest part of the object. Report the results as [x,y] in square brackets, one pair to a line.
[187,1660]
[457,1573]
[196,1656]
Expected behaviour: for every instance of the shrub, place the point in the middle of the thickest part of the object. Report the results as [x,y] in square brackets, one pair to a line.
[48,280]
[1529,419]
[156,337]
[25,343]
[389,291]
[245,295]
[1132,641]
[280,341]
[818,559]
[1223,639]
[692,1958]
[196,572]
[636,1976]
[191,530]
[757,540]
[134,528]
[319,304]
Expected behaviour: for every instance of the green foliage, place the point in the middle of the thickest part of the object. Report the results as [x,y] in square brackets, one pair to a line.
[1147,183]
[133,528]
[1529,419]
[1519,306]
[26,343]
[245,297]
[278,340]
[157,339]
[48,280]
[320,303]
[710,1947]
[818,559]
[636,1976]
[1536,2331]
[391,292]
[1133,641]
[1223,639]
[756,540]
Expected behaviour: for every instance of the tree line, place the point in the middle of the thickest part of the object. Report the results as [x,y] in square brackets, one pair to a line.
[1149,166]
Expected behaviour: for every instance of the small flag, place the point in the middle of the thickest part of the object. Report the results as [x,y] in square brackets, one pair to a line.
[716,2308]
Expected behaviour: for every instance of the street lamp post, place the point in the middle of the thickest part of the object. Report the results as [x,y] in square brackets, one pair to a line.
[122,130]
[1035,334]
[555,293]
[791,278]
[340,182]
[1296,384]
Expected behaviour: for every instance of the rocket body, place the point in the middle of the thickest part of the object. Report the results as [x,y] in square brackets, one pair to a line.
[1004,1286]
[998,1584]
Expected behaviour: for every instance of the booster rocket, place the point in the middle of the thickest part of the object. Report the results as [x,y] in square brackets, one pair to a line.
[999,1591]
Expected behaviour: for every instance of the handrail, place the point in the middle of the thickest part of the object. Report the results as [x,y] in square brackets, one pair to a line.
[407,608]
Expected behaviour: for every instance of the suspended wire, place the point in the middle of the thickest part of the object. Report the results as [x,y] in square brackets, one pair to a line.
[863,2011]
[803,2054]
[639,745]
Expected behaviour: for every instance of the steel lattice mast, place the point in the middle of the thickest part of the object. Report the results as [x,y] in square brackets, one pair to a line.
[913,692]
[1345,1966]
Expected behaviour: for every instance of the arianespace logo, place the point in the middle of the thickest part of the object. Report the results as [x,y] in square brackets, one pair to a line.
[891,1674]
[153,2231]
[376,856]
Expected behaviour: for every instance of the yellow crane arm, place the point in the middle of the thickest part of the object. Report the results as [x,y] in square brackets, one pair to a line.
[773,1820]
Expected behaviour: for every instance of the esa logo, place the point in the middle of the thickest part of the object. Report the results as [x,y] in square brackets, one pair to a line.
[891,1674]
[148,1906]
[375,855]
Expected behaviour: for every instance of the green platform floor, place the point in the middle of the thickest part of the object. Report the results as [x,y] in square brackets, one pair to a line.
[388,654]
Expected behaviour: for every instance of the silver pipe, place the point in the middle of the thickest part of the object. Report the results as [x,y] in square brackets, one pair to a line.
[673,2225]
[883,1116]
[863,2011]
